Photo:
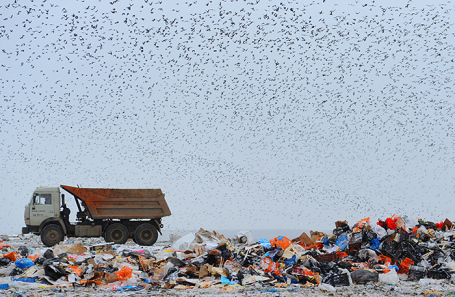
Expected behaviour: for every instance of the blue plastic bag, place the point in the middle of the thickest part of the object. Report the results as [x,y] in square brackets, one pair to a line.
[326,241]
[342,242]
[374,244]
[25,279]
[130,288]
[265,243]
[24,263]
[394,267]
[226,281]
[291,261]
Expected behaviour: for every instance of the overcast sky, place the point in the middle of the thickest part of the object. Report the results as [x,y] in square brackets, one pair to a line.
[247,114]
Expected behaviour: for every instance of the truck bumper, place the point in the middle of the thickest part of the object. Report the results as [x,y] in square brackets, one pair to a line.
[25,230]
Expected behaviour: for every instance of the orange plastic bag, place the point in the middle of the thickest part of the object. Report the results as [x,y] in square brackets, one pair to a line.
[124,273]
[12,256]
[309,247]
[384,259]
[341,255]
[89,281]
[395,222]
[76,269]
[32,257]
[281,241]
[268,265]
[399,222]
[361,223]
[404,265]
[302,271]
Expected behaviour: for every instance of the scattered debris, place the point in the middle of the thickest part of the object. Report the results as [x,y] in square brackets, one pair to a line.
[388,252]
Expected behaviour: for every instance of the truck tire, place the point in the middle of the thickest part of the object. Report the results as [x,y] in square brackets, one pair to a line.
[116,233]
[51,235]
[146,234]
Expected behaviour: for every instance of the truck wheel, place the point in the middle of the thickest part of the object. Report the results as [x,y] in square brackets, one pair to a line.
[116,233]
[145,234]
[51,235]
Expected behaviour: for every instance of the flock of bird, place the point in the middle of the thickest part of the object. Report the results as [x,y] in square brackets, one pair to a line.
[253,114]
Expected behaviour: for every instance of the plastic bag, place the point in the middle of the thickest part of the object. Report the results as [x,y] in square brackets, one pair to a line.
[226,281]
[16,271]
[367,254]
[281,241]
[337,279]
[395,222]
[430,281]
[269,266]
[110,277]
[381,232]
[361,223]
[404,265]
[291,261]
[24,263]
[4,261]
[245,237]
[124,273]
[363,276]
[48,254]
[399,222]
[76,269]
[265,243]
[389,278]
[183,243]
[24,251]
[39,261]
[374,244]
[12,256]
[327,287]
[53,269]
[342,242]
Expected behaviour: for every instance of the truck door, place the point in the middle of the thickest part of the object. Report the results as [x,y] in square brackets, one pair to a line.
[41,208]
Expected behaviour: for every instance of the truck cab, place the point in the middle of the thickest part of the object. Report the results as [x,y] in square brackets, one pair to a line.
[45,203]
[43,210]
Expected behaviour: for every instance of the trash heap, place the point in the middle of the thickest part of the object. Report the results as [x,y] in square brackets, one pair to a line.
[388,251]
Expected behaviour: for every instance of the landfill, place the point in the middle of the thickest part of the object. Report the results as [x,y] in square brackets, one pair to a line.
[396,256]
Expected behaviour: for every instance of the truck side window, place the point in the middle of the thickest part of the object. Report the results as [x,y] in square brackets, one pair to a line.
[42,199]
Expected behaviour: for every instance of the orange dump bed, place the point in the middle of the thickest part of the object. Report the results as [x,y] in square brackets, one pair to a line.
[122,203]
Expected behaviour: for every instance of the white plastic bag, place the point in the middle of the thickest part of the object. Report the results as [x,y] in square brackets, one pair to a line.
[430,281]
[327,287]
[381,232]
[183,243]
[389,278]
[245,237]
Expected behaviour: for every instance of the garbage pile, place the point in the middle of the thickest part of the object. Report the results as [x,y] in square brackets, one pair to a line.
[388,251]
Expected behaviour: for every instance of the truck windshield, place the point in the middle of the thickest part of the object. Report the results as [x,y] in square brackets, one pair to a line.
[40,199]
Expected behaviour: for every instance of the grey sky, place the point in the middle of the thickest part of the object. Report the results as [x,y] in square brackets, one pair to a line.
[249,115]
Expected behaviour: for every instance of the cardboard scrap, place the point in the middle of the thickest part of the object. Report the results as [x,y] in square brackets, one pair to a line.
[158,274]
[199,250]
[315,235]
[305,239]
[102,247]
[339,224]
[205,270]
[290,251]
[77,249]
[146,264]
[447,225]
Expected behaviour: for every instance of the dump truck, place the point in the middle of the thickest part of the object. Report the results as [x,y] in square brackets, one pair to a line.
[116,214]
